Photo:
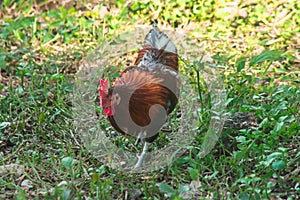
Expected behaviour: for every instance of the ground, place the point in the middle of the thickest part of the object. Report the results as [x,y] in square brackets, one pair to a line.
[255,49]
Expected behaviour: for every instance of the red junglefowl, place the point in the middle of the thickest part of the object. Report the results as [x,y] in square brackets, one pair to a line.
[140,100]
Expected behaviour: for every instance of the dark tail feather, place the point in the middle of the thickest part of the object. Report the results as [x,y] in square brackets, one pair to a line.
[166,50]
[159,40]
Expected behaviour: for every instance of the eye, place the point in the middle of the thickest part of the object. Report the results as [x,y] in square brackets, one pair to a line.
[117,99]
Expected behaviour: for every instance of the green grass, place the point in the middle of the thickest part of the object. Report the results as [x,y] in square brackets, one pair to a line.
[42,46]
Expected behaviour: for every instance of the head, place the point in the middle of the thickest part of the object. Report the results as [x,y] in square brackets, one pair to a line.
[108,100]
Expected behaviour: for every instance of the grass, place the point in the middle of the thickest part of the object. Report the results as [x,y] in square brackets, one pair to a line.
[43,45]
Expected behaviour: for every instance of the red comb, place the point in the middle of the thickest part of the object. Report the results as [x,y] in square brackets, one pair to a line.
[104,83]
[103,89]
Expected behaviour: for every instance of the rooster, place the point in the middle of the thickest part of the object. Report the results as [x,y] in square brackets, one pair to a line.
[140,100]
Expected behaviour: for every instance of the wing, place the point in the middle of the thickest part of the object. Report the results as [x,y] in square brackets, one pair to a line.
[148,97]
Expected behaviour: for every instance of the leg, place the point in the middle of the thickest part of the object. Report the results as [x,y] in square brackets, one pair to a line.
[141,157]
[138,138]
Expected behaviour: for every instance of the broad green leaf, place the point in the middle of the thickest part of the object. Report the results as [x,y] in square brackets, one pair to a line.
[271,158]
[278,165]
[274,155]
[264,122]
[101,169]
[240,63]
[183,159]
[229,100]
[2,62]
[238,155]
[209,177]
[244,196]
[68,162]
[277,127]
[266,55]
[245,180]
[194,173]
[222,58]
[270,184]
[165,188]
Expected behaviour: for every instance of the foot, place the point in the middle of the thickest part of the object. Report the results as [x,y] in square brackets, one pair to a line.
[141,157]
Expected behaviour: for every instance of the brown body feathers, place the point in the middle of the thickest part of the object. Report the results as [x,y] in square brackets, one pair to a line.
[144,94]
